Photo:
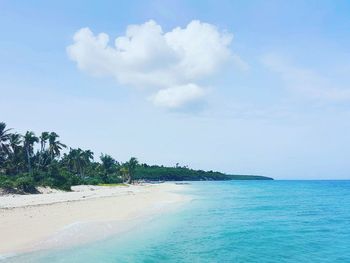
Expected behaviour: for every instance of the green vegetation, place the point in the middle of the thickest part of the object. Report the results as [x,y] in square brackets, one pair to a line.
[178,173]
[28,161]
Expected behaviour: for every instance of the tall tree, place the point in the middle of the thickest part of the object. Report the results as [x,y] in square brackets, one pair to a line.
[124,171]
[78,160]
[88,156]
[15,140]
[4,142]
[16,155]
[108,163]
[28,144]
[131,165]
[43,140]
[55,146]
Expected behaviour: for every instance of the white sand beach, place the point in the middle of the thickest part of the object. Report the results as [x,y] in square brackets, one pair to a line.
[31,222]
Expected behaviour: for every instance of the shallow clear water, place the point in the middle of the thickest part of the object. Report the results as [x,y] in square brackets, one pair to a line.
[237,221]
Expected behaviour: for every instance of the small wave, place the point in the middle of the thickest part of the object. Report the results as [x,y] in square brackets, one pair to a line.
[6,256]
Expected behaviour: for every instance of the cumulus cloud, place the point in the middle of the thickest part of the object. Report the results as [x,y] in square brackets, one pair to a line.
[306,81]
[171,62]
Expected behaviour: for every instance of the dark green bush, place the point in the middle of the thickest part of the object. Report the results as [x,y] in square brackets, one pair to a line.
[6,184]
[114,179]
[25,184]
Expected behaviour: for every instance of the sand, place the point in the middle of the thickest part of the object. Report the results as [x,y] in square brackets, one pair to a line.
[32,222]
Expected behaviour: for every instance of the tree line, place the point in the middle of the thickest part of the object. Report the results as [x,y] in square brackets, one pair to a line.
[28,161]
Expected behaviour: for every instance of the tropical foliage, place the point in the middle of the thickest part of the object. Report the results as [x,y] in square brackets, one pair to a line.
[27,161]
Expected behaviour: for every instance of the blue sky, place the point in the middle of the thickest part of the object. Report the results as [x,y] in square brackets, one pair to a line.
[275,102]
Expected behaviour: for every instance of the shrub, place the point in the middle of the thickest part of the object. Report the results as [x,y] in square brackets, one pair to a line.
[91,180]
[58,179]
[6,184]
[114,179]
[25,184]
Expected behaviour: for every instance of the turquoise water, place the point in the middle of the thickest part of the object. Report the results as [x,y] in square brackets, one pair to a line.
[237,221]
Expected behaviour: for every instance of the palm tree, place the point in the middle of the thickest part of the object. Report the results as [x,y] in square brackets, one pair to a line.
[108,163]
[78,160]
[4,138]
[131,165]
[28,143]
[15,140]
[55,146]
[88,156]
[43,139]
[124,171]
[73,160]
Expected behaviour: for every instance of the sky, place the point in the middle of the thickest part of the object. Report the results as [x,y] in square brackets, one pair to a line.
[247,87]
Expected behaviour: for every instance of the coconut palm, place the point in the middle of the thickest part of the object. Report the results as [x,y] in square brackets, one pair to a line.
[78,160]
[43,139]
[108,163]
[28,144]
[4,139]
[88,156]
[55,146]
[15,139]
[124,171]
[131,165]
[16,156]
[74,161]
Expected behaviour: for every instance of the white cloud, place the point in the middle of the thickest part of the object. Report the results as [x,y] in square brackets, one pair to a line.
[172,62]
[305,81]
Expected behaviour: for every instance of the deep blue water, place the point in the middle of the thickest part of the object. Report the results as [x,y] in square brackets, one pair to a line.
[237,221]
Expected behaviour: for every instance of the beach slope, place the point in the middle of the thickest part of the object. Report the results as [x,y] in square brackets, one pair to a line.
[30,222]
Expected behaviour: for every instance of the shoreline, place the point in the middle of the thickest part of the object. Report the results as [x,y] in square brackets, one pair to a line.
[63,219]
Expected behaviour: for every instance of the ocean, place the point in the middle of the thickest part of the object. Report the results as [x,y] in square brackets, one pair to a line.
[233,221]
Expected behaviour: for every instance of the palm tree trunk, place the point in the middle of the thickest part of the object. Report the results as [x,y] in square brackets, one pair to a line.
[41,153]
[28,159]
[129,179]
